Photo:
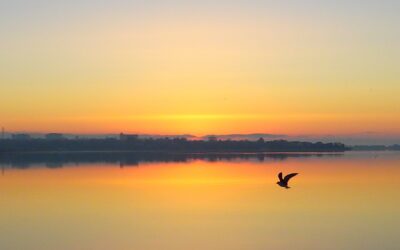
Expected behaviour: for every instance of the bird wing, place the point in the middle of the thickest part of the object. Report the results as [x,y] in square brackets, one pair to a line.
[280,176]
[288,177]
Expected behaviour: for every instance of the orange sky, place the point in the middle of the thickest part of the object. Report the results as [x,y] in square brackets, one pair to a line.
[200,68]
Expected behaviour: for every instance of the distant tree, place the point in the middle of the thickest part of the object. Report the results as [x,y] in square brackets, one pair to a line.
[212,138]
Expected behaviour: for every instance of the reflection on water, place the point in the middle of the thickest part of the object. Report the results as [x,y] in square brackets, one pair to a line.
[87,201]
[60,159]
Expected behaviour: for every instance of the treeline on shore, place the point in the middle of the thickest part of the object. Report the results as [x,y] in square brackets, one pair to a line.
[167,144]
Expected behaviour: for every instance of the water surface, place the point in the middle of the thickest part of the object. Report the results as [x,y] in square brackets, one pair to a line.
[347,201]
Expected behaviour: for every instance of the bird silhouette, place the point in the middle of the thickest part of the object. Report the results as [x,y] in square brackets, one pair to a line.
[283,181]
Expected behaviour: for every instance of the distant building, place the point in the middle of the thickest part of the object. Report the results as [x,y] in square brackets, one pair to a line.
[128,137]
[21,137]
[54,136]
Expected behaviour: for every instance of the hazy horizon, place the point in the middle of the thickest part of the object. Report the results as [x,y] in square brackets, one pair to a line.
[366,138]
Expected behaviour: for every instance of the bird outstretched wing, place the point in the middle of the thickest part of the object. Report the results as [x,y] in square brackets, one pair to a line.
[280,176]
[289,176]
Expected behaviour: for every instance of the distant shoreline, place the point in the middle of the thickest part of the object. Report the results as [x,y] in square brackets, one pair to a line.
[180,145]
[175,145]
[178,152]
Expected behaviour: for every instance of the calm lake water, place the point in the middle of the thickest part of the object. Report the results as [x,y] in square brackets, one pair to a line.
[348,201]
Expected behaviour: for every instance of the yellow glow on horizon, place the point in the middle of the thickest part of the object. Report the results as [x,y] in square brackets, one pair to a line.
[202,124]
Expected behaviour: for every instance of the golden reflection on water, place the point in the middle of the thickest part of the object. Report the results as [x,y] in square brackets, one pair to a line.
[346,202]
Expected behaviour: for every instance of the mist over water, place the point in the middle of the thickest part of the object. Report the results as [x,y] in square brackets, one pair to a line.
[125,201]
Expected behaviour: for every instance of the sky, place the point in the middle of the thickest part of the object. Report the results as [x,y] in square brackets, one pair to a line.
[200,67]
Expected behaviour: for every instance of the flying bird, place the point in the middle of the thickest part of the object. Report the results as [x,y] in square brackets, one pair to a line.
[283,182]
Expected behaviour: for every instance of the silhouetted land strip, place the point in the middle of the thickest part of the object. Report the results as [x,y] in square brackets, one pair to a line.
[394,147]
[166,145]
[23,160]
